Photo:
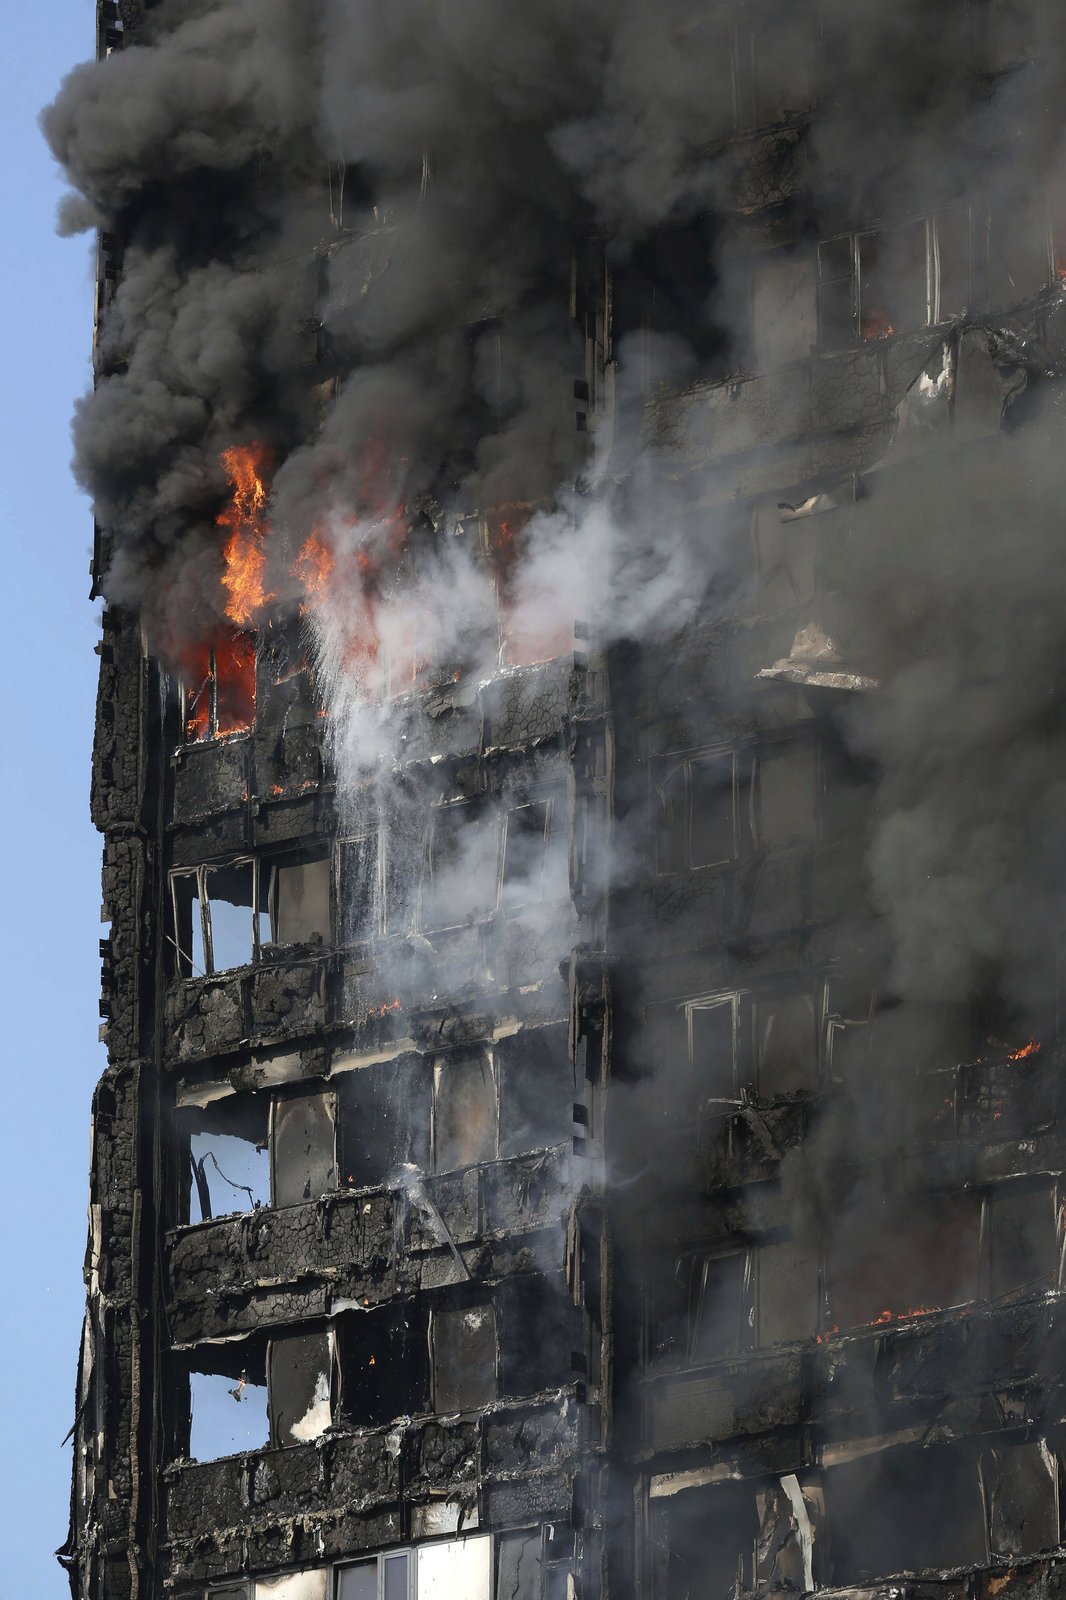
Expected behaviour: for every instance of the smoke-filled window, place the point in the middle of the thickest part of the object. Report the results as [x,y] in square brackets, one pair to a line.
[535,840]
[229,916]
[775,67]
[904,1510]
[877,283]
[696,811]
[709,1303]
[1015,257]
[459,882]
[784,308]
[903,1260]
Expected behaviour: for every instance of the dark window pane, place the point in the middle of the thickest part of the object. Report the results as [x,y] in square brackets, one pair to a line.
[784,309]
[518,1566]
[787,1292]
[719,1298]
[902,1510]
[712,835]
[704,1541]
[836,314]
[788,776]
[384,1366]
[671,820]
[300,902]
[464,1358]
[1024,1239]
[1021,1486]
[893,281]
[464,1111]
[536,1090]
[396,1577]
[384,1120]
[358,1583]
[713,1049]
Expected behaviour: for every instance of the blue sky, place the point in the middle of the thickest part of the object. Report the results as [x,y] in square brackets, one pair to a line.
[51,853]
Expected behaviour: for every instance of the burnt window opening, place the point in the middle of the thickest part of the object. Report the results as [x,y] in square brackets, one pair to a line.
[906,1262]
[225,1400]
[703,1542]
[891,280]
[904,1510]
[714,1050]
[384,1120]
[713,1028]
[706,1304]
[384,1365]
[535,862]
[465,1109]
[361,888]
[216,683]
[232,915]
[774,69]
[1020,1480]
[229,1160]
[464,1356]
[462,1567]
[303,1147]
[300,1385]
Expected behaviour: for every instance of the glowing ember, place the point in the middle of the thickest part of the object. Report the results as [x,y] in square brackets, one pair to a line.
[875,325]
[245,516]
[1031,1048]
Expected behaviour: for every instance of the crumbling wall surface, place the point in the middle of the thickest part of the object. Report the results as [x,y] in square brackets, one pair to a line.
[266,1267]
[353,1492]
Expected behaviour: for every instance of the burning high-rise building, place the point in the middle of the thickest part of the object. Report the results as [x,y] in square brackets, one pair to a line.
[581,751]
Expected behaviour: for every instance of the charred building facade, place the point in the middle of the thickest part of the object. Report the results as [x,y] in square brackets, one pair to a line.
[580,757]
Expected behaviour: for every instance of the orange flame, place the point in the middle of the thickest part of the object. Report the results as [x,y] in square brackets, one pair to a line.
[245,516]
[314,564]
[875,324]
[1031,1048]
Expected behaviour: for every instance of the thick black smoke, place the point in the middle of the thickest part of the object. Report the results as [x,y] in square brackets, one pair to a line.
[389,198]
